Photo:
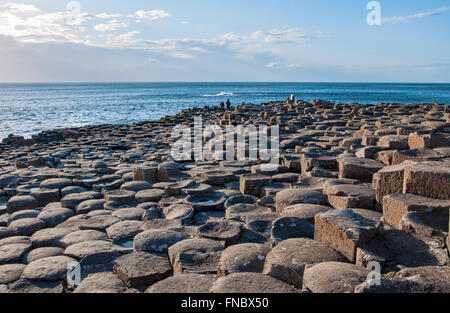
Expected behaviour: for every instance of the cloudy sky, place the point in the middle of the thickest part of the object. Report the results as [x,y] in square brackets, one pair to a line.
[233,40]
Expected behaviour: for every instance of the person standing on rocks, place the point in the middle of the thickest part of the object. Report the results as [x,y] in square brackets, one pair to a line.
[228,104]
[222,105]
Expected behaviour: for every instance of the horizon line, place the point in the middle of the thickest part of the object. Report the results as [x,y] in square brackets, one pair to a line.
[259,82]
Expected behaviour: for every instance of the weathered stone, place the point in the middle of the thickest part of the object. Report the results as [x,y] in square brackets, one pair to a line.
[416,155]
[27,226]
[124,230]
[136,186]
[348,142]
[157,240]
[81,236]
[99,222]
[29,286]
[388,285]
[351,196]
[101,283]
[249,283]
[56,183]
[55,216]
[72,189]
[397,142]
[425,224]
[428,179]
[142,268]
[389,181]
[395,206]
[10,272]
[251,184]
[182,212]
[357,168]
[245,199]
[369,140]
[198,255]
[241,211]
[48,269]
[150,195]
[147,174]
[333,277]
[290,227]
[41,253]
[345,230]
[310,161]
[368,152]
[305,211]
[22,214]
[290,197]
[90,205]
[161,224]
[129,214]
[46,196]
[207,202]
[85,248]
[385,156]
[246,257]
[184,283]
[431,279]
[197,189]
[417,141]
[394,249]
[167,170]
[274,188]
[71,201]
[49,237]
[6,232]
[227,231]
[288,260]
[120,195]
[217,177]
[18,203]
[292,162]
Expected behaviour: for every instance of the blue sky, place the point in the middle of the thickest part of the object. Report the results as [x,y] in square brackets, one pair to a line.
[233,40]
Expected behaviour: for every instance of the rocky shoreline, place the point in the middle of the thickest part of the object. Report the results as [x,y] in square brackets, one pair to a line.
[359,188]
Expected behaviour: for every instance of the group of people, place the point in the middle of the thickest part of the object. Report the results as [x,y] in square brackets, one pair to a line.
[222,105]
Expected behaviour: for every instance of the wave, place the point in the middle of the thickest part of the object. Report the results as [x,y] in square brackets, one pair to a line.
[219,94]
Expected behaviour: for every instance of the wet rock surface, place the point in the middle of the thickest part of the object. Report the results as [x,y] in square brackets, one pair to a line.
[355,184]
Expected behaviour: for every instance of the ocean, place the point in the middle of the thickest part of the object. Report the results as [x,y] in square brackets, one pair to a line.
[27,109]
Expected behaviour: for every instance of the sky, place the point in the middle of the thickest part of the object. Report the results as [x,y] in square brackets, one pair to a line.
[232,40]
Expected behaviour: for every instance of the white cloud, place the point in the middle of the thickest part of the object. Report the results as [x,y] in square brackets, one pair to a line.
[283,65]
[180,55]
[399,19]
[109,26]
[184,22]
[107,16]
[289,36]
[27,23]
[12,7]
[150,15]
[198,49]
[273,64]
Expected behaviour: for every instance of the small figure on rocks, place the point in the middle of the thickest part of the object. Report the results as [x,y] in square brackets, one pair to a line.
[222,105]
[228,104]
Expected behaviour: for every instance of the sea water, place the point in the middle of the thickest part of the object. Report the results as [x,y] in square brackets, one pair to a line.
[28,109]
